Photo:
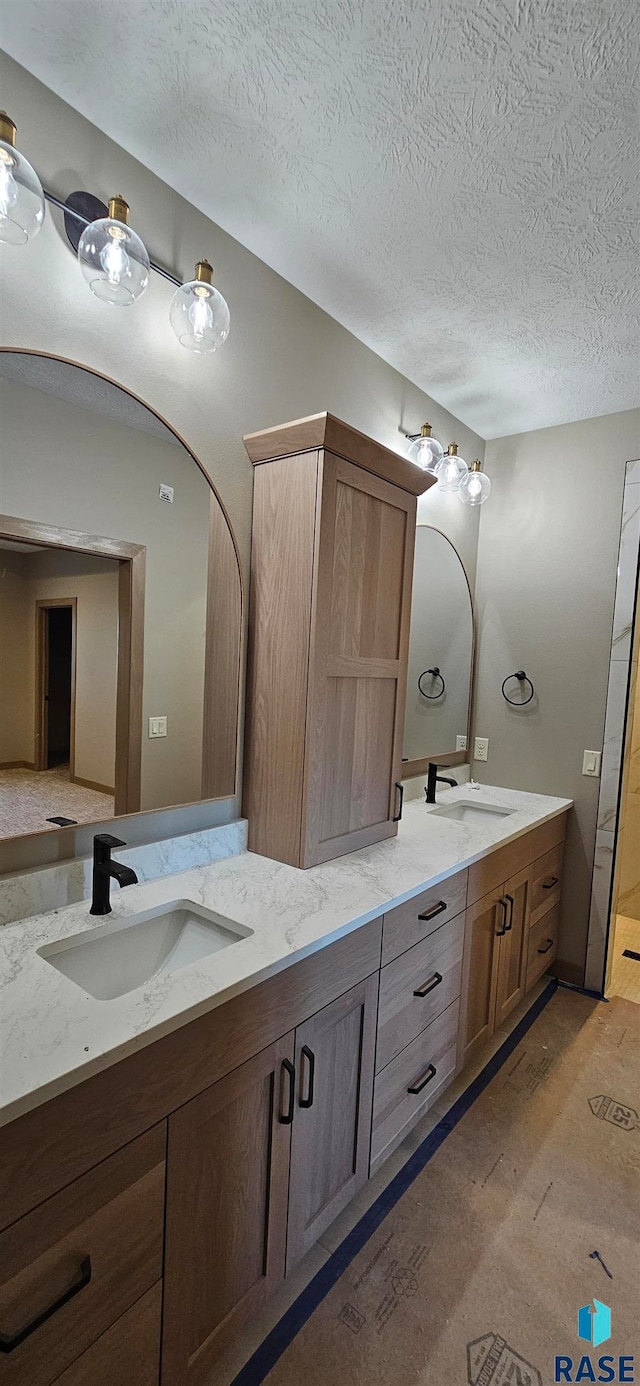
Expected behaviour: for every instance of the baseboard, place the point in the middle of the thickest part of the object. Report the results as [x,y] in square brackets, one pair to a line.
[17,765]
[93,784]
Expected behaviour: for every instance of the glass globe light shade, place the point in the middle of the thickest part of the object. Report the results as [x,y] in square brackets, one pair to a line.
[199,315]
[113,259]
[426,451]
[475,487]
[452,469]
[21,195]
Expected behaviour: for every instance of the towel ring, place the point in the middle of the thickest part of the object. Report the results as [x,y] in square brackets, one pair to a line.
[435,672]
[522,679]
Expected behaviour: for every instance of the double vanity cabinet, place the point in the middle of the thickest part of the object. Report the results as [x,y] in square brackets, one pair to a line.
[150,1209]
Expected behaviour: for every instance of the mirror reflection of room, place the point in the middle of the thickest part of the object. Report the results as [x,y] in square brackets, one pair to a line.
[440,639]
[59,641]
[105,628]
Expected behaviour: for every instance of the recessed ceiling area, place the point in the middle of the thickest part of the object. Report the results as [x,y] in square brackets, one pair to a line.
[456,183]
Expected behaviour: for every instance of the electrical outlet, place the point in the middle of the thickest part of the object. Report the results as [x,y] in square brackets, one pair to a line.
[481,751]
[157,726]
[461,743]
[591,763]
[165,493]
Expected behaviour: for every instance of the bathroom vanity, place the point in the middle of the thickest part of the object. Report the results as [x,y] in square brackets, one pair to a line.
[169,1154]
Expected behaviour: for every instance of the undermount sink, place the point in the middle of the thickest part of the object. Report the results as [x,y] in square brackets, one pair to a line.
[120,956]
[465,812]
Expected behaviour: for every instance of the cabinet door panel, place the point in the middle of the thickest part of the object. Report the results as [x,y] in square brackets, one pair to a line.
[359,641]
[479,974]
[330,1139]
[511,965]
[228,1168]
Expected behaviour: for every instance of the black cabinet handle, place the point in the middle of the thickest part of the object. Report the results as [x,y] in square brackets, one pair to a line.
[400,788]
[7,1343]
[311,1060]
[505,915]
[285,1118]
[431,985]
[548,885]
[511,902]
[435,909]
[421,1082]
[547,946]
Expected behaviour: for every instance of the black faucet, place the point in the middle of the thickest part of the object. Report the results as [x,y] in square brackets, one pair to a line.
[104,868]
[433,778]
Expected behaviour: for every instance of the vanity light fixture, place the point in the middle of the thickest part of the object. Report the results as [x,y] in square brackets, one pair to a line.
[424,450]
[199,314]
[475,487]
[452,469]
[112,257]
[21,194]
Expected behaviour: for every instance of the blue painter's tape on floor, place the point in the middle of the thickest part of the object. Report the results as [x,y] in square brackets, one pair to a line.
[278,1340]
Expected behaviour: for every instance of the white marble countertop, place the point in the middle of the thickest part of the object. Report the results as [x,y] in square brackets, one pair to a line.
[54,1035]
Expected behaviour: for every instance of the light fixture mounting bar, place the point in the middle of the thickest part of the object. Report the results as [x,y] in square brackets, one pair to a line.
[84,221]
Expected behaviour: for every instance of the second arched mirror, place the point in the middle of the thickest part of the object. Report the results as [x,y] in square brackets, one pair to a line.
[440,668]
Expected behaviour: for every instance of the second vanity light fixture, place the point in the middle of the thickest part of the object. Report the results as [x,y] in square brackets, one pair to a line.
[113,259]
[471,483]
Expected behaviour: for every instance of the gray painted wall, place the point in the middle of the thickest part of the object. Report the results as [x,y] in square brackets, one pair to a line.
[547,562]
[284,357]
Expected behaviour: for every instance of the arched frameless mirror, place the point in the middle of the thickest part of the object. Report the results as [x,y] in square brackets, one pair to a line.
[440,654]
[120,607]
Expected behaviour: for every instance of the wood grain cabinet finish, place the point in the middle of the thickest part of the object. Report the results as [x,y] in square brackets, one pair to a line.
[417,987]
[511,939]
[542,945]
[228,1175]
[70,1268]
[128,1354]
[479,974]
[421,916]
[408,1086]
[331,1128]
[546,882]
[331,572]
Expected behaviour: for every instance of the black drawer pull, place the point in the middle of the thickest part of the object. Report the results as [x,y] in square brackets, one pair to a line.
[311,1060]
[428,986]
[421,1083]
[511,902]
[286,1118]
[7,1344]
[435,909]
[548,885]
[400,788]
[547,946]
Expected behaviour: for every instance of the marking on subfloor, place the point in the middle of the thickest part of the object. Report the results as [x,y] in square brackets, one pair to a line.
[595,1256]
[543,1199]
[491,1361]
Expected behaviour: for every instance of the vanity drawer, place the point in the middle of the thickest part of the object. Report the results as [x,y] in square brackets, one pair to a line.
[542,945]
[403,926]
[417,987]
[128,1354]
[493,870]
[546,881]
[76,1263]
[427,1066]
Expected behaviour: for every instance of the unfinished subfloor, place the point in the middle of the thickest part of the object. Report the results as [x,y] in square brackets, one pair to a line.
[29,798]
[625,972]
[474,1270]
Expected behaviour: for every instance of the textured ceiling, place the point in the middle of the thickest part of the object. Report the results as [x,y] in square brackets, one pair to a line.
[454,180]
[82,388]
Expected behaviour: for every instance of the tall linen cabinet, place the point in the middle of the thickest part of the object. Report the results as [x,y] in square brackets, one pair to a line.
[334,518]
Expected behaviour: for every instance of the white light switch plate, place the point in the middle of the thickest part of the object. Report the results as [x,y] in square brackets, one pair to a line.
[481,751]
[157,726]
[591,763]
[461,743]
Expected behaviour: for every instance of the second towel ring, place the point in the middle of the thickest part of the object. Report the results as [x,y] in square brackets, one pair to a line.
[522,679]
[435,672]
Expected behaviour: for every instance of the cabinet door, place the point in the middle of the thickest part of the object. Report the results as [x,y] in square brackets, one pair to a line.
[483,923]
[335,1053]
[227,1177]
[511,950]
[358,670]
